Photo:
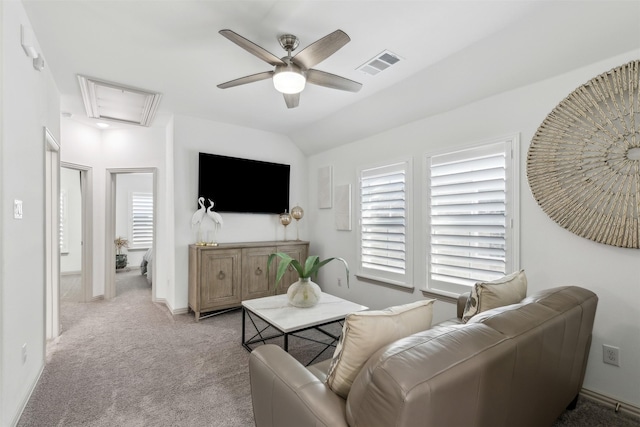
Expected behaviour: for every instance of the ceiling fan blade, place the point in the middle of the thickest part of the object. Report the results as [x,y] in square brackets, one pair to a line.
[322,78]
[252,48]
[321,49]
[292,99]
[246,79]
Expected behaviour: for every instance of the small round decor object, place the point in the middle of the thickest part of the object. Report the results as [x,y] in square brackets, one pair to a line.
[297,213]
[285,218]
[583,164]
[304,293]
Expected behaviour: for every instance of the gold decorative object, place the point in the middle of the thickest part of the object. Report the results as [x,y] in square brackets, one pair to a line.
[285,219]
[583,164]
[297,213]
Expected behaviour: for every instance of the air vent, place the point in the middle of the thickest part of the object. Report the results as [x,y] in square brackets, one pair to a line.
[111,101]
[379,63]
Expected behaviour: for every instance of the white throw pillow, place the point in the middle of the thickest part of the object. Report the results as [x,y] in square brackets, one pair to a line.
[507,290]
[367,331]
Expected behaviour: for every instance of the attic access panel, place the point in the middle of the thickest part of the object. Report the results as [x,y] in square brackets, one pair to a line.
[111,101]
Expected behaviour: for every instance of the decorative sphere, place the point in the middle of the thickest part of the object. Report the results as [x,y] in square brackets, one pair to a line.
[297,213]
[285,219]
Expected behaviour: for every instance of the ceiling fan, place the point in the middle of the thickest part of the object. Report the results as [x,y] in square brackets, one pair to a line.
[292,72]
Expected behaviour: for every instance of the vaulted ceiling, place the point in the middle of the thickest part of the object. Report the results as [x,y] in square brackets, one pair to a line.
[452,53]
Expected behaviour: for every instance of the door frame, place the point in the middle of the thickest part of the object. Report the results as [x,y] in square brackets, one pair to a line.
[52,235]
[110,228]
[86,196]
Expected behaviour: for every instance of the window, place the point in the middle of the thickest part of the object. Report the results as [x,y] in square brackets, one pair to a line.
[384,225]
[472,212]
[141,214]
[64,223]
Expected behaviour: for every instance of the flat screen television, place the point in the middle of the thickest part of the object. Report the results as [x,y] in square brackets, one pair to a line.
[243,185]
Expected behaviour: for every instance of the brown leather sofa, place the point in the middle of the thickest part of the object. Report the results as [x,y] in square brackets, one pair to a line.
[519,365]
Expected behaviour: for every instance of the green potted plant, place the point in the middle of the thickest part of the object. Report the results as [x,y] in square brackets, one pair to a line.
[121,259]
[304,292]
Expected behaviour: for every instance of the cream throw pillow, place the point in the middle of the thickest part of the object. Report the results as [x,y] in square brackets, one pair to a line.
[367,331]
[507,290]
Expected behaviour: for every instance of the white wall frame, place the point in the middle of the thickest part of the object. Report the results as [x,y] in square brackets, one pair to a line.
[343,207]
[325,187]
[52,236]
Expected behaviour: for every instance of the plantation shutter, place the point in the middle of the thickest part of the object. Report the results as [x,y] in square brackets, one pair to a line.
[383,222]
[141,220]
[64,223]
[468,215]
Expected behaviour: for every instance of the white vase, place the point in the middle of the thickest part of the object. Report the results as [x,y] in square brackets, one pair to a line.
[304,293]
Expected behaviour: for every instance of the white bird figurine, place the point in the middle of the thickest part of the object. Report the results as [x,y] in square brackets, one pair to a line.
[197,218]
[215,216]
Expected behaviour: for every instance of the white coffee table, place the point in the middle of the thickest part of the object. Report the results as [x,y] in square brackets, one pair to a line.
[289,320]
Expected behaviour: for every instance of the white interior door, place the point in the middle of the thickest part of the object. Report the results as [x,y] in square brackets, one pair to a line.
[76,220]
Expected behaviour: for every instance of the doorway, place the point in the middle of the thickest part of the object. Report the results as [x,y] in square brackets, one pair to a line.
[75,233]
[130,216]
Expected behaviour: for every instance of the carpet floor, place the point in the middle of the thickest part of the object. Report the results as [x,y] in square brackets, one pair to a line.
[129,362]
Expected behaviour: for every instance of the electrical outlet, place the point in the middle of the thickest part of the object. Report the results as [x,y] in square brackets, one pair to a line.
[611,355]
[339,281]
[24,353]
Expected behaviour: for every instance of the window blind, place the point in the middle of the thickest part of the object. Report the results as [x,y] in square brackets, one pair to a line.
[141,220]
[468,206]
[383,221]
[64,223]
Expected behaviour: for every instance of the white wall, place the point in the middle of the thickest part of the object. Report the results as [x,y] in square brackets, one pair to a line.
[178,168]
[135,147]
[126,184]
[71,261]
[195,135]
[29,101]
[550,255]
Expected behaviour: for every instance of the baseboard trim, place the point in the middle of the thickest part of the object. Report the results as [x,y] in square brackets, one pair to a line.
[97,298]
[171,309]
[27,397]
[616,405]
[70,273]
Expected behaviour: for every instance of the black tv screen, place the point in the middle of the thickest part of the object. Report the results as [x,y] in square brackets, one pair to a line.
[243,185]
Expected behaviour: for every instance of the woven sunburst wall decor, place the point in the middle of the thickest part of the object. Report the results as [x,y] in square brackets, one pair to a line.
[583,164]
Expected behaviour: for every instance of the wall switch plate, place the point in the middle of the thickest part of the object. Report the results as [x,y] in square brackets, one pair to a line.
[17,209]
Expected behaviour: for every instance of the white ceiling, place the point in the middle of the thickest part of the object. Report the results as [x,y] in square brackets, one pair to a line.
[453,52]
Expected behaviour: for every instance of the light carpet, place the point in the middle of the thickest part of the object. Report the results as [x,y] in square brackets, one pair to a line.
[129,362]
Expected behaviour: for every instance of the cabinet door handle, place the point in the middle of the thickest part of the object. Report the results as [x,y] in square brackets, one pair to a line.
[258,271]
[221,275]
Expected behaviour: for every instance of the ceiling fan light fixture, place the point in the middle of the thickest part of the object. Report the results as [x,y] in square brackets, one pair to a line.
[289,82]
[289,79]
[291,73]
